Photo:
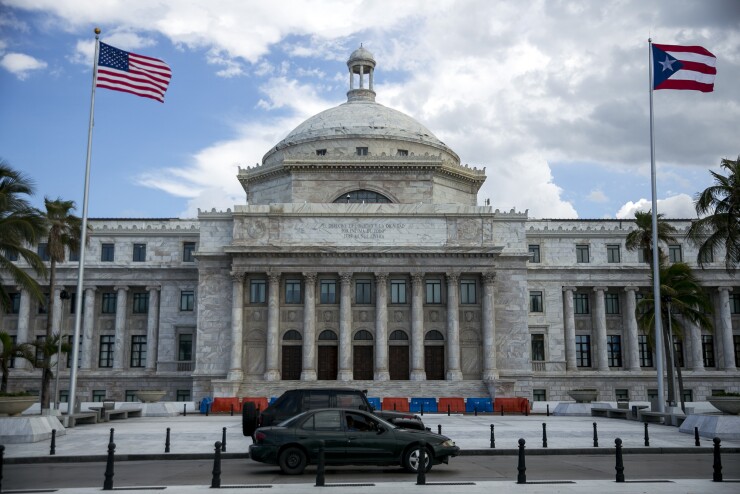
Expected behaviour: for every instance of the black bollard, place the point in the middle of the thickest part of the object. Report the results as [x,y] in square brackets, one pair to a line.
[2,459]
[522,477]
[493,438]
[448,409]
[548,409]
[184,410]
[216,479]
[53,447]
[320,479]
[647,438]
[421,470]
[394,407]
[207,408]
[112,431]
[696,437]
[544,435]
[167,441]
[108,482]
[596,437]
[223,439]
[502,409]
[439,429]
[526,410]
[620,464]
[475,410]
[717,466]
[422,409]
[232,409]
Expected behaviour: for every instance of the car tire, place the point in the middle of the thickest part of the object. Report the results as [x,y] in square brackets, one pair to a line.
[292,461]
[411,459]
[249,418]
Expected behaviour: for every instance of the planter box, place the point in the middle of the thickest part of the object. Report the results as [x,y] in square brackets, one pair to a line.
[150,395]
[726,404]
[16,405]
[584,395]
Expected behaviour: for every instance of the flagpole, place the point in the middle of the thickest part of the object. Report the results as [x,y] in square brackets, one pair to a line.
[83,243]
[656,258]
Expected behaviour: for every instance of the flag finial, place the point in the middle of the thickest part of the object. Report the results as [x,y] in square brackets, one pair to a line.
[97,31]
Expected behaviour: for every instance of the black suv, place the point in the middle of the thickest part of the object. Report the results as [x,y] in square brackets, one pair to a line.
[295,401]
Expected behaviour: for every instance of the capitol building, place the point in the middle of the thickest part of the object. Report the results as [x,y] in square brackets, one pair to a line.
[361,258]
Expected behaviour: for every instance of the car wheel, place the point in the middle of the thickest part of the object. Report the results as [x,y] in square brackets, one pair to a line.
[411,459]
[292,461]
[249,418]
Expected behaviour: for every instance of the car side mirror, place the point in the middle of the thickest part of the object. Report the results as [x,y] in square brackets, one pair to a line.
[381,430]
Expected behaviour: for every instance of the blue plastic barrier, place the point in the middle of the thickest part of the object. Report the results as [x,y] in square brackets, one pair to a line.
[374,402]
[205,403]
[272,400]
[480,404]
[430,405]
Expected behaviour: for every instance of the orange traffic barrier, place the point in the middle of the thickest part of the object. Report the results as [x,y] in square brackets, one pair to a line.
[398,404]
[223,405]
[456,405]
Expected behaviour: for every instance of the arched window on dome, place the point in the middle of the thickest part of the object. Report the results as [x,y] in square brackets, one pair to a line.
[328,334]
[362,196]
[398,335]
[292,335]
[434,335]
[363,335]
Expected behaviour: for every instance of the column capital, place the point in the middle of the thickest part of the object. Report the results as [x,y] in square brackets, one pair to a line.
[238,276]
[92,288]
[570,288]
[381,277]
[151,288]
[119,288]
[601,288]
[632,288]
[452,277]
[724,289]
[417,278]
[274,277]
[489,277]
[345,278]
[310,276]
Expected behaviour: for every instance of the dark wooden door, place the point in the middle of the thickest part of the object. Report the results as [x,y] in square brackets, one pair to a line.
[292,362]
[398,362]
[328,363]
[362,363]
[434,362]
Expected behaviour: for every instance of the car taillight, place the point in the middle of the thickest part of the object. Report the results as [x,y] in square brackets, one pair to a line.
[260,436]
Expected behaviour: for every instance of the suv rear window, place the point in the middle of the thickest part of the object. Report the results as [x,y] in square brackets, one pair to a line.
[350,401]
[316,399]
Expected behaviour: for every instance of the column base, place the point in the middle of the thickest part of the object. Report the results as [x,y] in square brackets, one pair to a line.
[235,375]
[382,376]
[490,375]
[454,375]
[418,375]
[308,375]
[345,375]
[272,375]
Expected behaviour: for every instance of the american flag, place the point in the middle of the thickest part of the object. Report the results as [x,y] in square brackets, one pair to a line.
[131,73]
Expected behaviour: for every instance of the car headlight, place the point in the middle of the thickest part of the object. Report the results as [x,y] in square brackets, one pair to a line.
[448,444]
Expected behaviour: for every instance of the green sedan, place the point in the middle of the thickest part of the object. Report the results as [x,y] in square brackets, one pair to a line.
[349,437]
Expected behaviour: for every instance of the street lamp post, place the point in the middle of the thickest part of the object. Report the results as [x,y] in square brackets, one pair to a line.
[64,295]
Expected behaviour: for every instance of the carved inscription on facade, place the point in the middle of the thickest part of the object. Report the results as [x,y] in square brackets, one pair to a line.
[385,231]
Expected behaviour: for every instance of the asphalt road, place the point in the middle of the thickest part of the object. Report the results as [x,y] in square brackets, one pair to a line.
[460,469]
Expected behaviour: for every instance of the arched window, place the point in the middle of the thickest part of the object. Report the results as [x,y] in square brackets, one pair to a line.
[363,335]
[398,335]
[360,196]
[292,335]
[328,334]
[434,335]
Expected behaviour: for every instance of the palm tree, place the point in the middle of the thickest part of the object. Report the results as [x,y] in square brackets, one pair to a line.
[9,352]
[718,208]
[684,301]
[45,349]
[20,226]
[63,231]
[642,237]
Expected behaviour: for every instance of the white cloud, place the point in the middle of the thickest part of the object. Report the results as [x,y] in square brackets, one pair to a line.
[597,195]
[678,206]
[21,65]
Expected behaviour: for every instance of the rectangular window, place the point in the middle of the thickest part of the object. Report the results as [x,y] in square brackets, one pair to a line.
[614,350]
[580,303]
[583,350]
[68,339]
[187,300]
[538,347]
[105,357]
[622,394]
[678,351]
[707,257]
[11,256]
[63,396]
[467,292]
[328,291]
[43,251]
[674,253]
[43,305]
[74,255]
[643,255]
[735,303]
[183,395]
[107,252]
[185,347]
[539,395]
[707,350]
[98,395]
[362,292]
[582,254]
[15,303]
[534,253]
[292,291]
[139,253]
[11,360]
[321,152]
[434,292]
[108,303]
[688,395]
[141,303]
[646,353]
[188,249]
[138,351]
[535,302]
[736,344]
[257,291]
[130,395]
[361,151]
[612,254]
[652,394]
[398,291]
[402,152]
[611,302]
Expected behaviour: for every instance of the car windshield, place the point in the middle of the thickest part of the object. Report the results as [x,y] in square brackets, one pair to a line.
[292,420]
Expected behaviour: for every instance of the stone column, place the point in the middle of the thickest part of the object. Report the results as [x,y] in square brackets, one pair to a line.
[381,327]
[88,325]
[24,318]
[236,371]
[694,337]
[453,329]
[152,328]
[308,373]
[119,346]
[490,372]
[602,363]
[417,328]
[272,372]
[725,327]
[56,314]
[570,329]
[630,322]
[345,327]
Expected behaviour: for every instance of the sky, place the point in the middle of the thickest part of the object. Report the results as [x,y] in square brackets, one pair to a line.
[550,97]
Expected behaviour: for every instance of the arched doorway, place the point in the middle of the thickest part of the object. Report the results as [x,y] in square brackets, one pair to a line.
[434,355]
[398,356]
[292,355]
[328,356]
[362,358]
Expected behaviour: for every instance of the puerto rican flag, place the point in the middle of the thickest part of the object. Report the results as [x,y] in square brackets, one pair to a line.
[683,67]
